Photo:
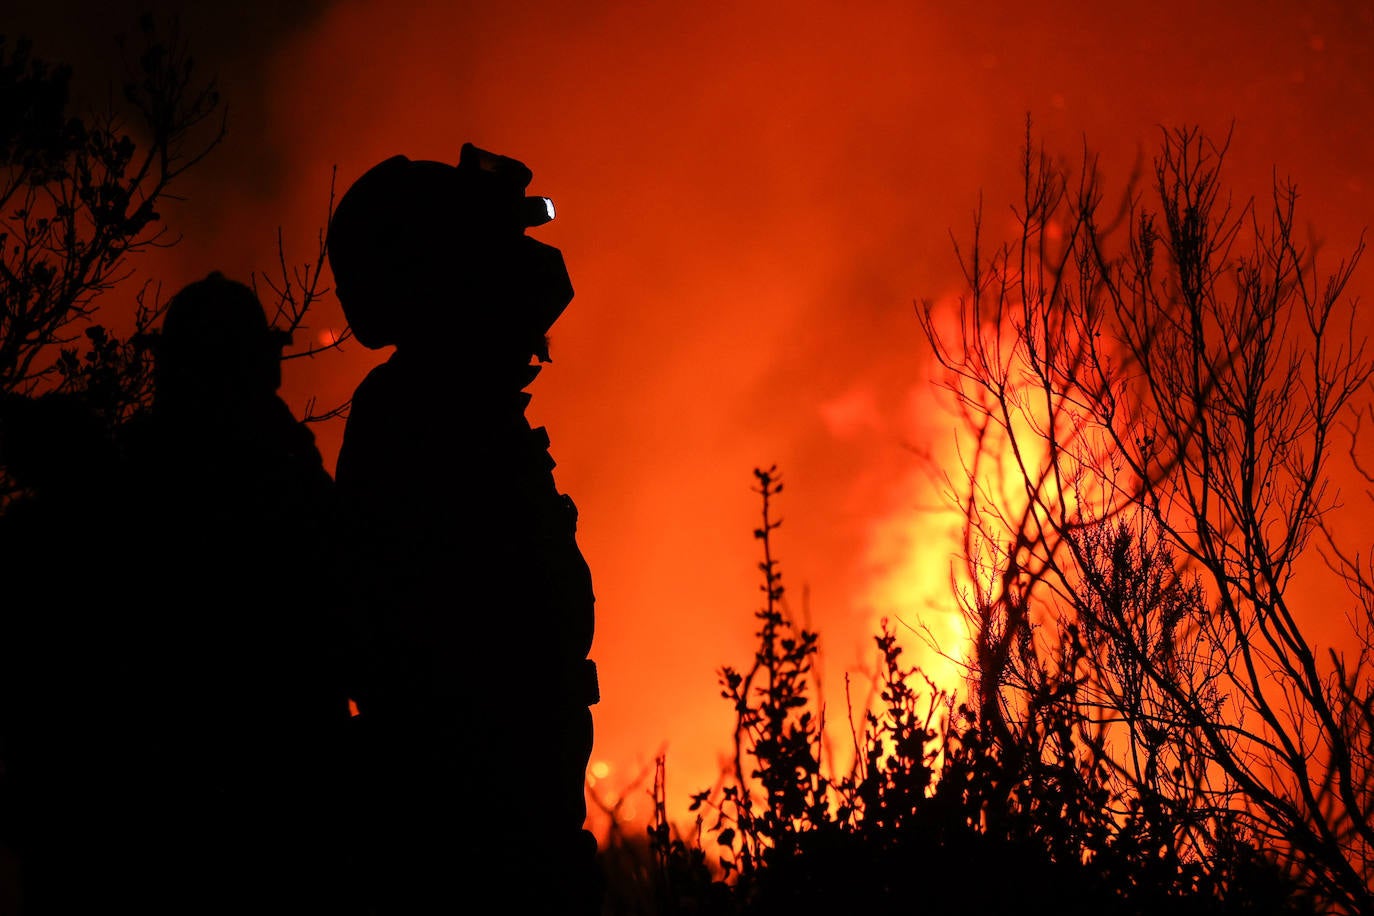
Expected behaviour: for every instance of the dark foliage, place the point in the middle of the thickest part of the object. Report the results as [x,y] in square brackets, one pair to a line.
[78,196]
[938,815]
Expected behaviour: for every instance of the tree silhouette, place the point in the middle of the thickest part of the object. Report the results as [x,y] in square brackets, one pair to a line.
[1150,397]
[78,198]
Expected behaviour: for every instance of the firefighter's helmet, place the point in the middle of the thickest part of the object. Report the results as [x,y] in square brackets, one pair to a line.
[412,236]
[215,335]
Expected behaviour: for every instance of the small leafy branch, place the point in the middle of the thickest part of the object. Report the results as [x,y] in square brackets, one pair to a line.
[784,793]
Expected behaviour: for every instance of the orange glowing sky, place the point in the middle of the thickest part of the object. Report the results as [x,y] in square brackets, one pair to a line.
[750,197]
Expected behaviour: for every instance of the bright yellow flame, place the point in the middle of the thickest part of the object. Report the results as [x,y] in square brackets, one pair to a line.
[912,555]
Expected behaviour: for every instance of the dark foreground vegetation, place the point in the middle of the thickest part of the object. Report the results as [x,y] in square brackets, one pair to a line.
[936,816]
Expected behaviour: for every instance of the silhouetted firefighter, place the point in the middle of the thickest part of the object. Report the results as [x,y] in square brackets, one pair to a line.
[235,703]
[459,545]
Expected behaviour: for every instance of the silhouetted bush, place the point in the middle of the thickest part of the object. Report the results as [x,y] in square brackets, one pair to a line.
[936,815]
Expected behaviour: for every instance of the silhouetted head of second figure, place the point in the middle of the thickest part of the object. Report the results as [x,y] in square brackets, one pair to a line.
[216,345]
[428,254]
